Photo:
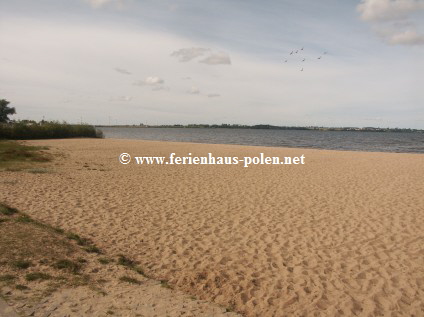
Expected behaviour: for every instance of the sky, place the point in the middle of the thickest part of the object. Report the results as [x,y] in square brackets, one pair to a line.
[356,63]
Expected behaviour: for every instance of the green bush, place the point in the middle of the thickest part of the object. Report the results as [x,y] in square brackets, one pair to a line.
[47,130]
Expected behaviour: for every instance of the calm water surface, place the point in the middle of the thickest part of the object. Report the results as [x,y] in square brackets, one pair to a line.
[331,140]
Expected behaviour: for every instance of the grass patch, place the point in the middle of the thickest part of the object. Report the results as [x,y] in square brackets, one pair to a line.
[7,278]
[124,261]
[14,169]
[7,210]
[68,265]
[57,230]
[21,264]
[130,280]
[86,243]
[140,271]
[39,171]
[92,249]
[14,182]
[105,260]
[230,309]
[37,276]
[164,283]
[27,243]
[24,219]
[80,241]
[15,156]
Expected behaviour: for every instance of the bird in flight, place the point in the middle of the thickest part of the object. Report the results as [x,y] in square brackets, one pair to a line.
[319,57]
[301,69]
[291,53]
[301,49]
[297,51]
[285,61]
[303,59]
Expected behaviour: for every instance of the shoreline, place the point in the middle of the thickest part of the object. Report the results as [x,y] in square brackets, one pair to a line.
[227,144]
[325,237]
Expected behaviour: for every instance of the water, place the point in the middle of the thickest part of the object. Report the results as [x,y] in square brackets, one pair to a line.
[330,140]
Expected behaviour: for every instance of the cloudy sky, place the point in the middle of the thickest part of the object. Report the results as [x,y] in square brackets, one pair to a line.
[353,63]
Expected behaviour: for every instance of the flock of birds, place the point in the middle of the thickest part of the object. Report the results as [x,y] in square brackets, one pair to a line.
[298,51]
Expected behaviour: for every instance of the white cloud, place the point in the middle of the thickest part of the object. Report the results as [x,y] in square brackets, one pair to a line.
[387,10]
[122,71]
[217,59]
[193,91]
[391,20]
[100,3]
[214,58]
[408,37]
[187,54]
[161,87]
[150,81]
[121,98]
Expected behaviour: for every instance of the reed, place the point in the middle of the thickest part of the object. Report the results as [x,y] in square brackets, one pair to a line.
[47,130]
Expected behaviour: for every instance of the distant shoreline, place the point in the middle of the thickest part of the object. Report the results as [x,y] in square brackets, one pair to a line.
[267,127]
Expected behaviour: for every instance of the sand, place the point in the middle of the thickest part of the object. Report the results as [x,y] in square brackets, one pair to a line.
[341,235]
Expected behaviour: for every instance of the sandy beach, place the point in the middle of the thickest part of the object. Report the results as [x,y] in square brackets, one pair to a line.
[341,235]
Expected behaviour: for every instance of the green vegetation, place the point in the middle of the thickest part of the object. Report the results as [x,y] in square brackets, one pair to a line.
[129,280]
[105,261]
[84,242]
[92,249]
[25,130]
[6,210]
[5,111]
[15,156]
[29,129]
[164,283]
[22,264]
[7,278]
[139,271]
[37,276]
[34,252]
[77,238]
[39,171]
[124,261]
[229,309]
[70,266]
[24,218]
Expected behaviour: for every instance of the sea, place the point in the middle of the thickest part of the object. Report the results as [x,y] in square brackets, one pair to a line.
[398,142]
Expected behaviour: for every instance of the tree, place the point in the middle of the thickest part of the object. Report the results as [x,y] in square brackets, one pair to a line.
[5,111]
